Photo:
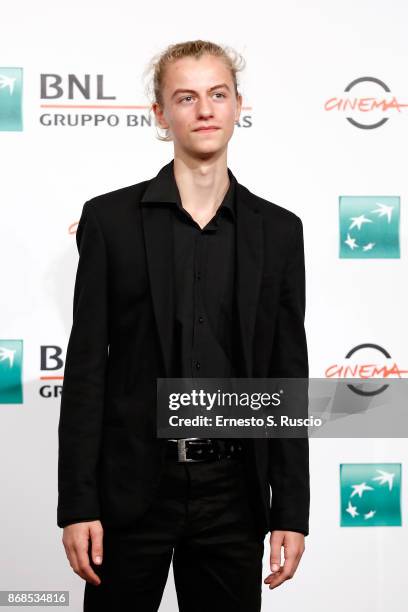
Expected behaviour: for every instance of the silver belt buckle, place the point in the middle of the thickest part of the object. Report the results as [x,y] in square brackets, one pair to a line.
[182,451]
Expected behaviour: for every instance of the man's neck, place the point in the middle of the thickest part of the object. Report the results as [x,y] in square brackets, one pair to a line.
[202,186]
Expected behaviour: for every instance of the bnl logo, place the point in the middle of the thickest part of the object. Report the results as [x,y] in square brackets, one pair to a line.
[11,96]
[370,494]
[11,366]
[369,227]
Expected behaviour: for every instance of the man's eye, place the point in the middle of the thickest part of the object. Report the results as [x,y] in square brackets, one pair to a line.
[217,93]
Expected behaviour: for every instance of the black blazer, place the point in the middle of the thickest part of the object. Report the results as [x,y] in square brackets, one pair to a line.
[110,460]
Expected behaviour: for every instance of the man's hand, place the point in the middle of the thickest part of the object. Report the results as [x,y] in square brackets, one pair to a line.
[76,543]
[293,546]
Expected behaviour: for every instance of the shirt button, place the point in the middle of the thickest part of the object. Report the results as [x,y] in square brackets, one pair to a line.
[198,276]
[201,319]
[198,365]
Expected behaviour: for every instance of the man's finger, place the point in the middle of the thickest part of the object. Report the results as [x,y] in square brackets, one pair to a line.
[290,565]
[292,556]
[278,578]
[286,572]
[83,567]
[289,568]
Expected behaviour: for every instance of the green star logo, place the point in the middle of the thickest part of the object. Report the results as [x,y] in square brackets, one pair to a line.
[370,494]
[369,227]
[11,95]
[11,360]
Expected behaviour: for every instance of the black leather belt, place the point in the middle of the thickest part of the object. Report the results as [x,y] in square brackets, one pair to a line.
[203,449]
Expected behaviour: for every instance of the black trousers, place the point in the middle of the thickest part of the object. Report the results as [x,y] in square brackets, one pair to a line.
[200,519]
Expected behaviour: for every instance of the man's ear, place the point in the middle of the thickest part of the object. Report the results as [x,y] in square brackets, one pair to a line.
[159,116]
[239,107]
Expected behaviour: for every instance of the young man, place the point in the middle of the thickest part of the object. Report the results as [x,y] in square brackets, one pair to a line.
[188,274]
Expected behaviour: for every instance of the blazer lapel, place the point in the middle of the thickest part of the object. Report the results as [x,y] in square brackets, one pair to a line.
[249,248]
[158,235]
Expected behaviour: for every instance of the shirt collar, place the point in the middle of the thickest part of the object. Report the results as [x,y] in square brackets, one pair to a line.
[163,189]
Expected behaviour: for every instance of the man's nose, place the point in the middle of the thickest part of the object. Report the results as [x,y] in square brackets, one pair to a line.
[204,109]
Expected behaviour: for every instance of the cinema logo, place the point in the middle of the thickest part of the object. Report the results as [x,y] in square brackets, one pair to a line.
[87,101]
[366,361]
[368,103]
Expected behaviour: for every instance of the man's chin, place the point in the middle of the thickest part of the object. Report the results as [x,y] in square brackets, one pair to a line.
[208,149]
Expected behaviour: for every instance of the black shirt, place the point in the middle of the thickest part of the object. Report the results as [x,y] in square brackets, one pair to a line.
[204,288]
[204,274]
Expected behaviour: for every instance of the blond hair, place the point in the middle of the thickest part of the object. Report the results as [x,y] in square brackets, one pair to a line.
[234,61]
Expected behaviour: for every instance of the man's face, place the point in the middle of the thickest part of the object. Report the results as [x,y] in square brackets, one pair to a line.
[197,94]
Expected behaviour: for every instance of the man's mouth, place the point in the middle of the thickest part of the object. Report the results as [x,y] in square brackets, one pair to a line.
[207,129]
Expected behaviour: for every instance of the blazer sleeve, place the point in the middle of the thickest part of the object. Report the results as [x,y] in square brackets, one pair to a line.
[82,398]
[289,457]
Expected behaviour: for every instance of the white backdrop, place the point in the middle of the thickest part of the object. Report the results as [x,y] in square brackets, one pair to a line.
[299,55]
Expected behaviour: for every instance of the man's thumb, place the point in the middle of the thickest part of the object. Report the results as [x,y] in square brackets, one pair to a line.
[275,561]
[97,545]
